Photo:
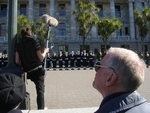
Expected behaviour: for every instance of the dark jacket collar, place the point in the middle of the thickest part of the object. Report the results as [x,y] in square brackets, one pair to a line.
[120,102]
[112,96]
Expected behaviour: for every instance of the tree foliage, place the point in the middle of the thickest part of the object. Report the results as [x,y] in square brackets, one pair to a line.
[146,13]
[142,23]
[22,22]
[107,26]
[38,28]
[86,17]
[142,20]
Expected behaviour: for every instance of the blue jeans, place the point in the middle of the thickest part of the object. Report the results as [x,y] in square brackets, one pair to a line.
[38,78]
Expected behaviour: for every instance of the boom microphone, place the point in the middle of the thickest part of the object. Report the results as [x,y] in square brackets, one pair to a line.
[49,20]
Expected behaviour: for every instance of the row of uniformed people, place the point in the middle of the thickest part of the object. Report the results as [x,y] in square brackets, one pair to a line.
[78,59]
[72,60]
[3,60]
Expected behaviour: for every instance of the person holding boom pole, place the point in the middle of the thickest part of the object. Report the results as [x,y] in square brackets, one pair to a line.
[29,56]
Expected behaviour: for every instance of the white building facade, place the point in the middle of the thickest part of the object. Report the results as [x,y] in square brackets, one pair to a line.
[65,36]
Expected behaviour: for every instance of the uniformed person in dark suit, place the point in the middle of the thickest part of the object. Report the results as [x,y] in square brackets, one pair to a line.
[147,56]
[91,59]
[60,60]
[72,59]
[5,60]
[98,55]
[48,61]
[78,60]
[66,60]
[141,55]
[104,53]
[54,61]
[81,54]
[84,59]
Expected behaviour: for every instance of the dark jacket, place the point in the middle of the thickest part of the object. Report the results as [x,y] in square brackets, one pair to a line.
[131,102]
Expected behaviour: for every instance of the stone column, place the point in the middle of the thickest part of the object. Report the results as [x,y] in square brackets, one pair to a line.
[112,8]
[94,31]
[30,10]
[52,7]
[73,21]
[112,14]
[131,20]
[52,13]
[148,3]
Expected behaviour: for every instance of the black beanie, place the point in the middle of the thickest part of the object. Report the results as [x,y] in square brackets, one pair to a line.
[12,91]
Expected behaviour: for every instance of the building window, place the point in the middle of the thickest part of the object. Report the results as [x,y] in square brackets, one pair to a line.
[23,8]
[3,29]
[42,9]
[103,48]
[62,11]
[62,48]
[62,32]
[125,46]
[126,31]
[3,10]
[143,5]
[62,29]
[117,11]
[86,47]
[62,6]
[100,13]
[145,48]
[133,6]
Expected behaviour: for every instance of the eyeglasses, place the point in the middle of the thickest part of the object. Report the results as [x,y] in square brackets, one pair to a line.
[98,66]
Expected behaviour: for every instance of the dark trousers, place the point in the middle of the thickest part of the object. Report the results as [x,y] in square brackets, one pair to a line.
[91,63]
[78,63]
[60,64]
[66,63]
[84,63]
[38,78]
[54,64]
[72,63]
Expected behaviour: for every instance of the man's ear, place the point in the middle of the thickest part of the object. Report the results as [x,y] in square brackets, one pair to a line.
[111,79]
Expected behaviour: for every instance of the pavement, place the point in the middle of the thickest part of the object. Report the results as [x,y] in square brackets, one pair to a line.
[71,91]
[72,110]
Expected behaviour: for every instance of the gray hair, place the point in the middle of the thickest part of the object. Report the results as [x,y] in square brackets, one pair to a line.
[128,66]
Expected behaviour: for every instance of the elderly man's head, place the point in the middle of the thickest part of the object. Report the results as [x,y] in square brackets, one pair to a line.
[120,70]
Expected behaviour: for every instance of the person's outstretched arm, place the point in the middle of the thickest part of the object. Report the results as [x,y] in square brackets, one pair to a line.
[40,55]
